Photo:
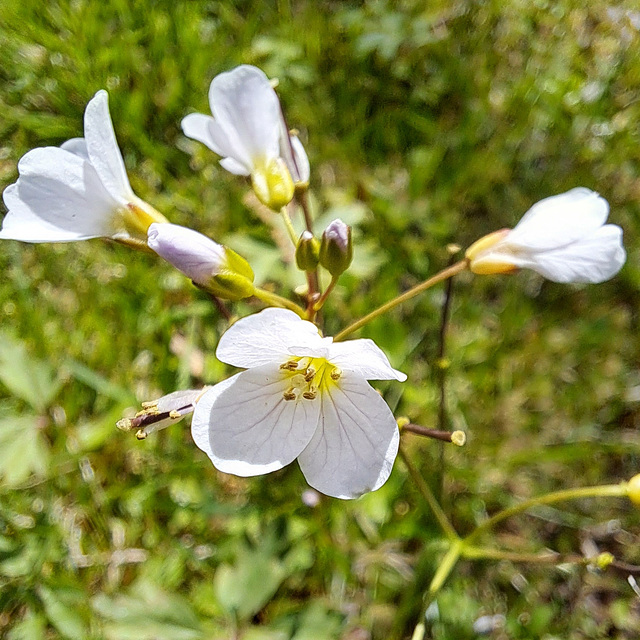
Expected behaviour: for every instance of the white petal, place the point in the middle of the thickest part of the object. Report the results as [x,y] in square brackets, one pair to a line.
[77,146]
[57,198]
[266,337]
[301,162]
[103,150]
[365,358]
[181,401]
[252,428]
[559,220]
[235,167]
[197,256]
[246,108]
[356,442]
[593,259]
[206,130]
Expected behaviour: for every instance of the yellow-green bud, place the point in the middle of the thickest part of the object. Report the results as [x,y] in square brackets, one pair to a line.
[272,183]
[633,490]
[307,252]
[336,248]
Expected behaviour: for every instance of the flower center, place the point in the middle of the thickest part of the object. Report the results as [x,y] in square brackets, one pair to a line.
[307,377]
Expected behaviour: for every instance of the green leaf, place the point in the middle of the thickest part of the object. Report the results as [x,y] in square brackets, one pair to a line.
[244,588]
[31,628]
[26,377]
[62,609]
[23,450]
[147,613]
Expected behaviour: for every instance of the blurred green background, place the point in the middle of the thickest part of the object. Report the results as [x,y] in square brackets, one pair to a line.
[426,124]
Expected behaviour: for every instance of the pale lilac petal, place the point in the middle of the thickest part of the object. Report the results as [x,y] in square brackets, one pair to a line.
[595,258]
[365,358]
[246,108]
[197,256]
[356,442]
[103,150]
[265,337]
[77,146]
[559,221]
[252,428]
[57,198]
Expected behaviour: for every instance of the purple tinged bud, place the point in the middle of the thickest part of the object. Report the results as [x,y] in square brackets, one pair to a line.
[210,265]
[336,249]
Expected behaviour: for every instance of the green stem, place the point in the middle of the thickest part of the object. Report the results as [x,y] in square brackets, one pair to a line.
[407,295]
[278,301]
[446,566]
[323,298]
[427,494]
[287,223]
[546,557]
[601,491]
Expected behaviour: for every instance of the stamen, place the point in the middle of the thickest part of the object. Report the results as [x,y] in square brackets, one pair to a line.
[141,434]
[309,374]
[289,394]
[311,394]
[125,424]
[153,404]
[336,373]
[289,365]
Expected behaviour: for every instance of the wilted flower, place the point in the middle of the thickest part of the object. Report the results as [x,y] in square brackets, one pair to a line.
[77,191]
[159,414]
[210,265]
[562,238]
[248,130]
[302,396]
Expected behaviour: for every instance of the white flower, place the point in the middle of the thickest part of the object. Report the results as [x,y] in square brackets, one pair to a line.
[563,238]
[77,191]
[302,396]
[210,265]
[248,130]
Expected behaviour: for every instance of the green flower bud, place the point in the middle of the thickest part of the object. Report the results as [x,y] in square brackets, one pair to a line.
[307,252]
[272,183]
[336,249]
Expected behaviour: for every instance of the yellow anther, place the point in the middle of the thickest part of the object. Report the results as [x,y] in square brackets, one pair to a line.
[125,424]
[174,415]
[309,374]
[289,394]
[311,394]
[402,421]
[336,373]
[289,365]
[141,434]
[459,438]
[153,404]
[603,560]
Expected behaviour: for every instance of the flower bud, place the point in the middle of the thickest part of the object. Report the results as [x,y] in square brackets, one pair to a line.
[483,261]
[336,248]
[633,490]
[210,265]
[272,183]
[307,252]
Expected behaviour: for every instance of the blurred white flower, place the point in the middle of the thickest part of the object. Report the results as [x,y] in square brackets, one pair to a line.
[209,264]
[77,191]
[564,238]
[249,132]
[302,396]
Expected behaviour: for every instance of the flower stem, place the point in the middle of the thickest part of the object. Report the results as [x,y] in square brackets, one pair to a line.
[427,494]
[549,498]
[278,301]
[323,298]
[407,295]
[287,223]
